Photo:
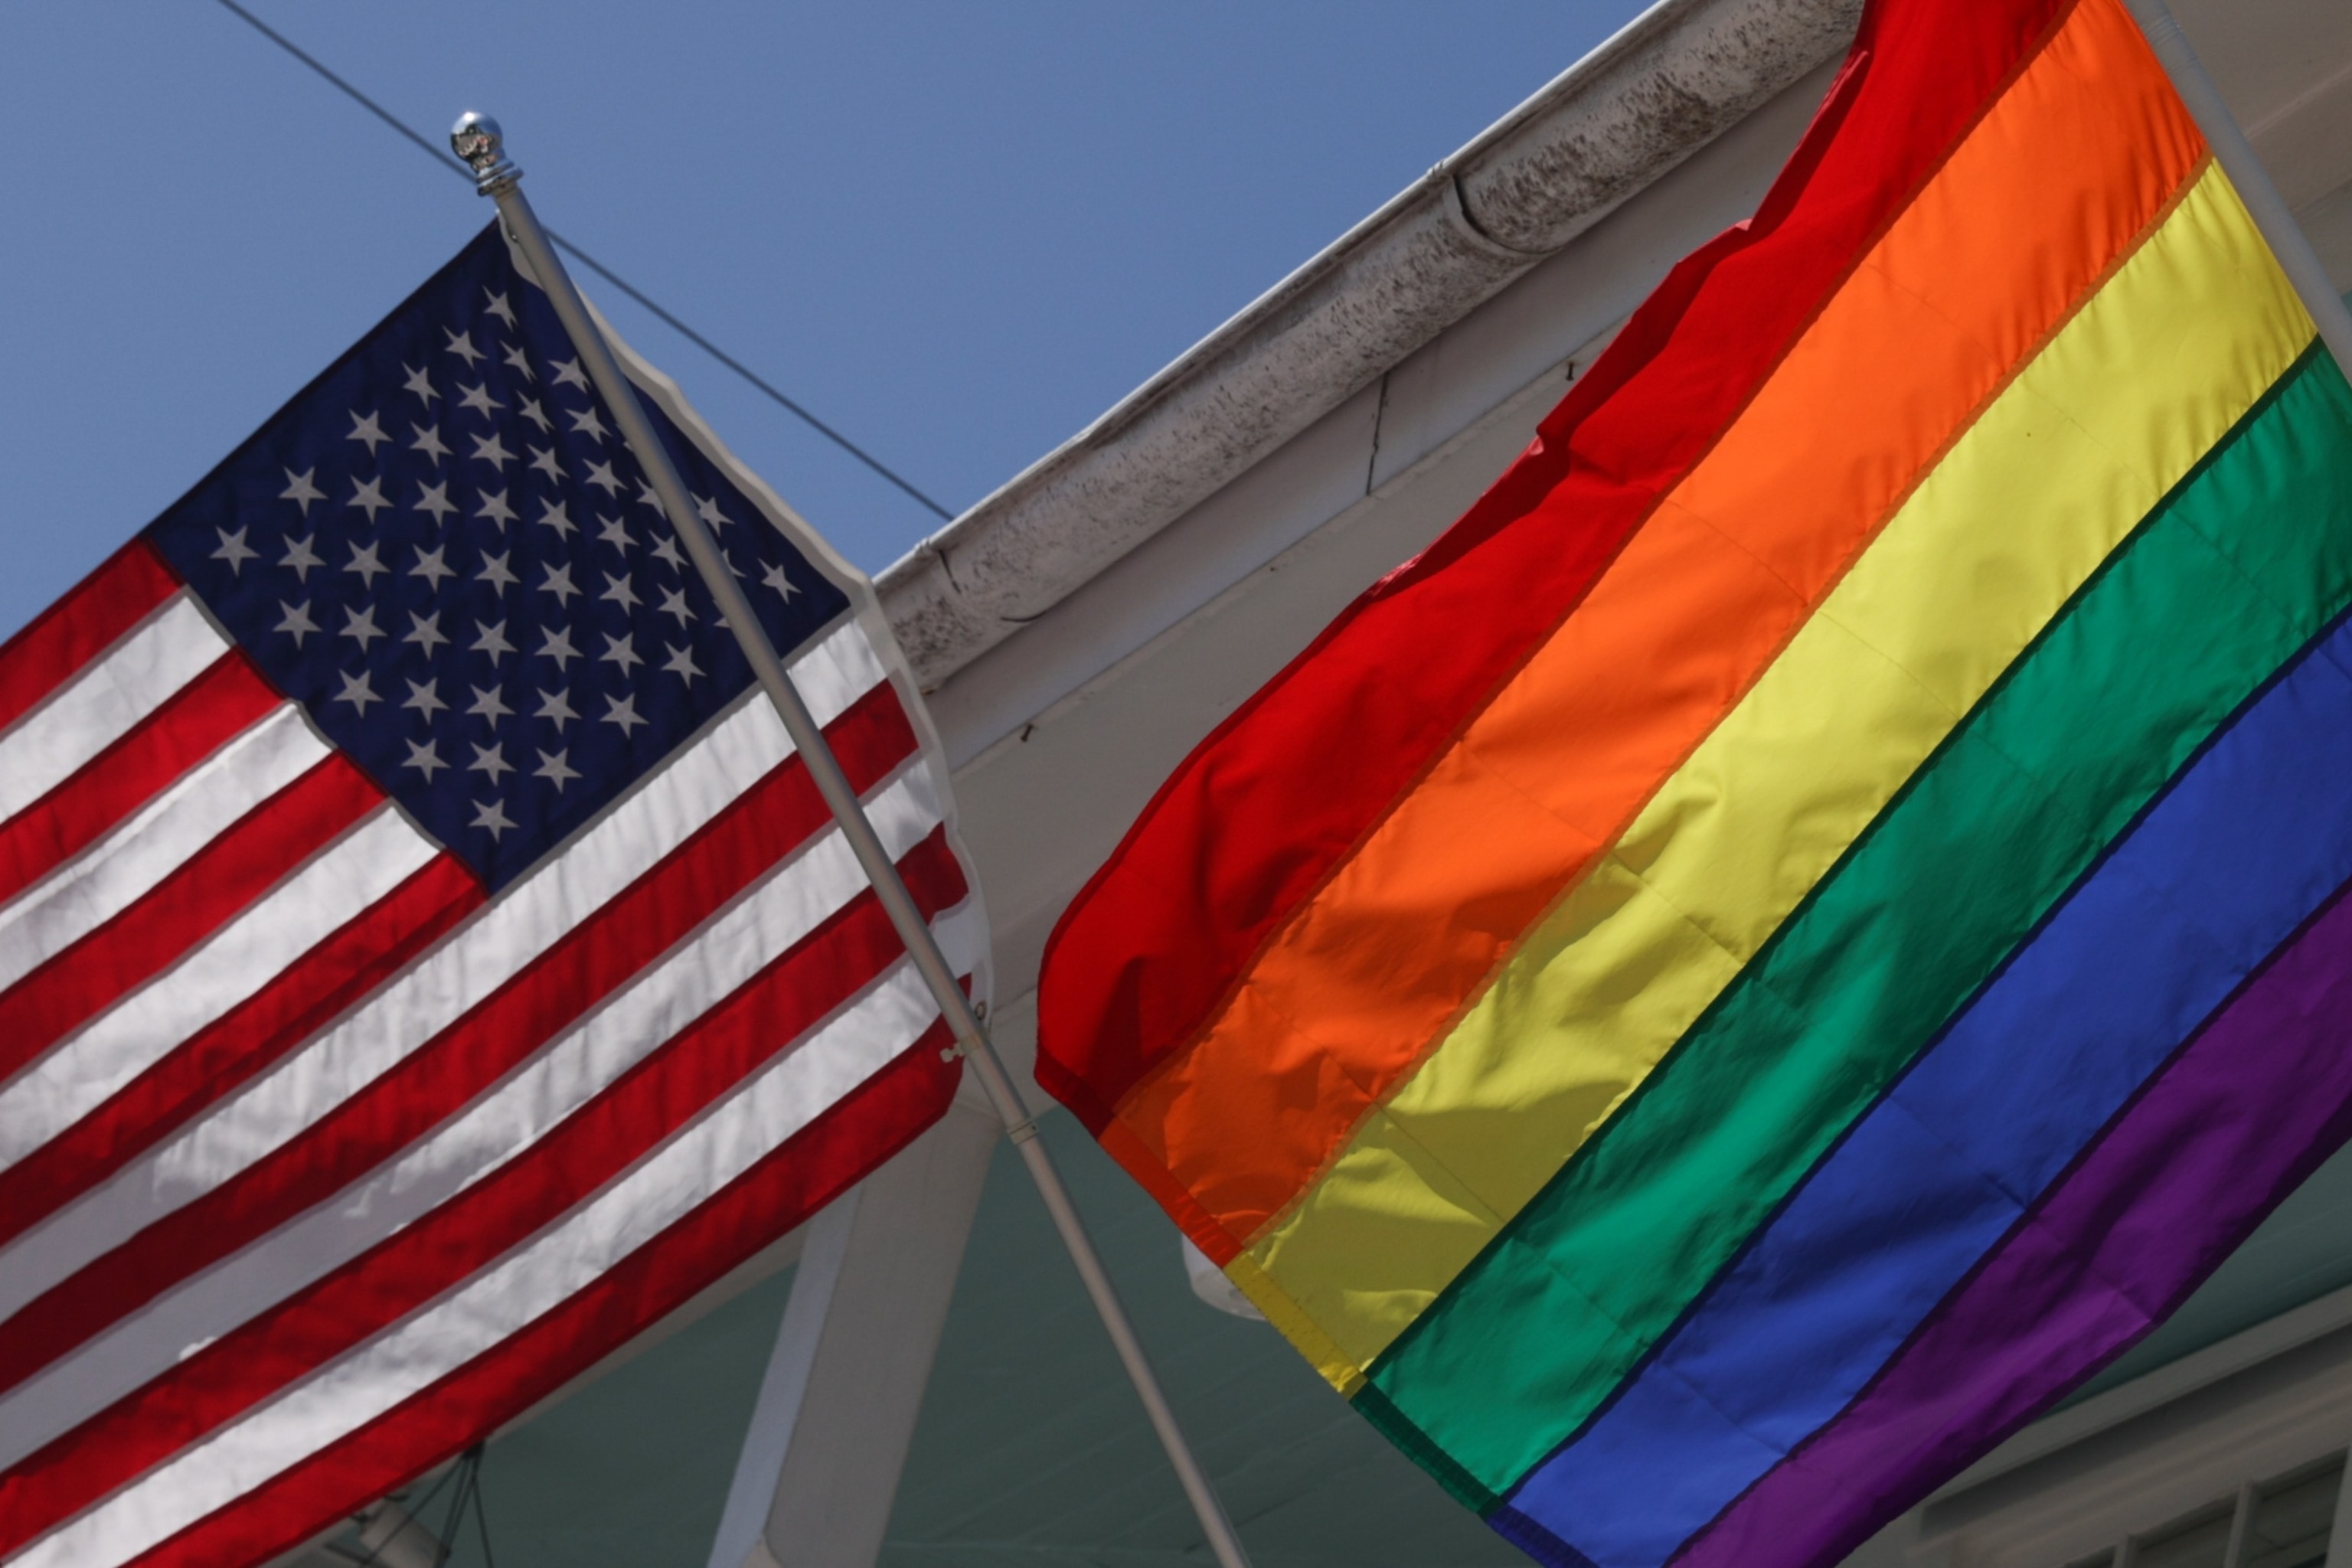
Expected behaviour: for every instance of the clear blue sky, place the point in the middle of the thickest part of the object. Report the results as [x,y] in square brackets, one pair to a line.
[957,231]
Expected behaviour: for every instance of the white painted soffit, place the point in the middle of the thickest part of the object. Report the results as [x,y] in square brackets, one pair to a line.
[1670,82]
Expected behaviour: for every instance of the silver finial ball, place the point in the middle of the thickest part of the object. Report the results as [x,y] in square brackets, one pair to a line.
[476,138]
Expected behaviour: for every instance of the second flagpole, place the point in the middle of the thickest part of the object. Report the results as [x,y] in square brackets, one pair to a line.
[2252,181]
[476,139]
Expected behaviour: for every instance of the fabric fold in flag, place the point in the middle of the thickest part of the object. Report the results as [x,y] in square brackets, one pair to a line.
[1604,1083]
[427,962]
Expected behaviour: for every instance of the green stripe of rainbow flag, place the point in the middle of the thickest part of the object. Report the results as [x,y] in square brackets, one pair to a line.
[1916,547]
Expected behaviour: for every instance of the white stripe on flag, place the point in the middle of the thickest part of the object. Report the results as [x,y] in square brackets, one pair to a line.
[110,877]
[795,897]
[530,917]
[364,865]
[105,701]
[759,1116]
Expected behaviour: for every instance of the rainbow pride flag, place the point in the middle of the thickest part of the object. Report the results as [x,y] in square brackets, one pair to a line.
[1812,917]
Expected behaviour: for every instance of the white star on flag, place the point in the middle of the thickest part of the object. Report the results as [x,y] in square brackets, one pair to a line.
[490,759]
[555,706]
[233,549]
[301,490]
[357,691]
[489,702]
[300,558]
[425,759]
[558,647]
[492,641]
[432,565]
[360,625]
[297,623]
[621,712]
[367,496]
[494,506]
[435,498]
[425,631]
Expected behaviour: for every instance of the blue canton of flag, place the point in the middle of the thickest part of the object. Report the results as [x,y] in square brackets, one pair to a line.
[442,549]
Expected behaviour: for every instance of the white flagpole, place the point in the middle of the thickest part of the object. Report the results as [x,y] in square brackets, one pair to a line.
[2245,166]
[478,141]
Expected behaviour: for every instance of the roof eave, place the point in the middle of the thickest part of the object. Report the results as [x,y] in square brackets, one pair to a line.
[1664,86]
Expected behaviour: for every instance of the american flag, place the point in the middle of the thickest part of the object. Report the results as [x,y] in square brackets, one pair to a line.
[424,963]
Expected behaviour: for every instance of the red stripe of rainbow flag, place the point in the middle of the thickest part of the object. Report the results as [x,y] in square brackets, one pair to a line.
[1800,679]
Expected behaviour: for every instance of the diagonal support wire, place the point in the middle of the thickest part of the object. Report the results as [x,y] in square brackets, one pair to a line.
[774,394]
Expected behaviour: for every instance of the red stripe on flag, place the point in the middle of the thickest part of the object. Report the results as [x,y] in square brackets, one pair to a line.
[84,624]
[1277,797]
[596,957]
[632,1116]
[876,1118]
[194,722]
[196,900]
[206,1070]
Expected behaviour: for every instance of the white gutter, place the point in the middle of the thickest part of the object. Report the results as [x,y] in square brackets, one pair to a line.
[1670,81]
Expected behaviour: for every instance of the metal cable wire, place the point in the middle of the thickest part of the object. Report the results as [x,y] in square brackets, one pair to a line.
[443,158]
